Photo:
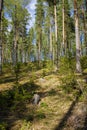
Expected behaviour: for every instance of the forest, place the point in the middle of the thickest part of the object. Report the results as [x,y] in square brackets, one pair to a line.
[43,64]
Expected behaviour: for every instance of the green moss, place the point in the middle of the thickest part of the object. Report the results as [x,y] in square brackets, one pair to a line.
[85,71]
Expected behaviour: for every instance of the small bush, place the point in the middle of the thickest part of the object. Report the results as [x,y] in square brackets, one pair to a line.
[45,72]
[84,62]
[40,115]
[16,69]
[85,71]
[31,66]
[30,117]
[25,125]
[52,92]
[48,64]
[3,126]
[43,104]
[67,72]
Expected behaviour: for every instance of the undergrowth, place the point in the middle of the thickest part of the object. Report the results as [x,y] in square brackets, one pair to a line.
[67,74]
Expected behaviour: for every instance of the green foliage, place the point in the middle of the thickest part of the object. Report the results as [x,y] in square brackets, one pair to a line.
[84,62]
[30,117]
[85,71]
[32,66]
[67,72]
[25,125]
[69,82]
[47,67]
[43,104]
[40,115]
[52,92]
[45,72]
[6,99]
[17,68]
[3,126]
[17,72]
[21,95]
[48,64]
[16,96]
[66,64]
[84,95]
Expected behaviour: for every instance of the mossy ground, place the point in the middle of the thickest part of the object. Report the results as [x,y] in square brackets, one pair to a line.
[57,109]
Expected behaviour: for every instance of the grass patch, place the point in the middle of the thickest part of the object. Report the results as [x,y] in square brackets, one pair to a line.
[43,104]
[25,125]
[40,115]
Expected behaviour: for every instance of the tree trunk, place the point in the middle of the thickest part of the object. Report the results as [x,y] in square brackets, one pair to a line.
[78,48]
[39,52]
[51,56]
[1,7]
[55,19]
[63,29]
[84,29]
[15,46]
[86,26]
[53,48]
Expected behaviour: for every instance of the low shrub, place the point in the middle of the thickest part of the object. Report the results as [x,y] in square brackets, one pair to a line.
[25,125]
[43,104]
[67,73]
[3,126]
[40,115]
[84,62]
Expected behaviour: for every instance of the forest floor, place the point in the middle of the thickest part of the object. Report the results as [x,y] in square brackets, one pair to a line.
[57,109]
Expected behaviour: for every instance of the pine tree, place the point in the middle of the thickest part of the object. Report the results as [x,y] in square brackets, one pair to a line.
[18,24]
[1,8]
[78,48]
[39,26]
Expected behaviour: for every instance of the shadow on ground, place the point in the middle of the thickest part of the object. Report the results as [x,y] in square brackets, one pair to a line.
[7,79]
[13,105]
[63,121]
[85,123]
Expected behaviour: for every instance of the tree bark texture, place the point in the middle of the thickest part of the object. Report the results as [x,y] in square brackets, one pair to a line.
[1,8]
[78,48]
